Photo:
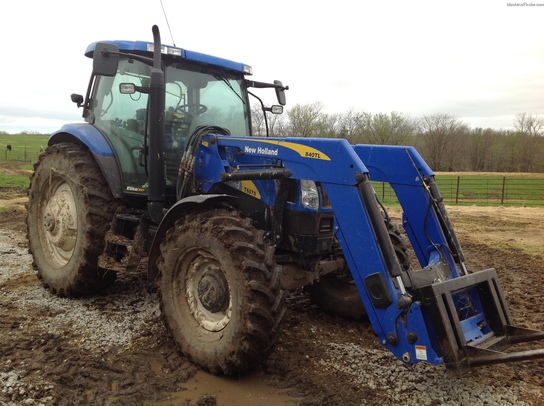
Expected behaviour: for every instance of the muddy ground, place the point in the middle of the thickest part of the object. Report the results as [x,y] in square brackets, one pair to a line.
[114,349]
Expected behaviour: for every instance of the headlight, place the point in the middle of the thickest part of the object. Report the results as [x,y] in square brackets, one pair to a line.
[309,195]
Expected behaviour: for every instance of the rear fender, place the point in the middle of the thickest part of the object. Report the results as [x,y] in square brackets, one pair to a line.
[178,210]
[88,135]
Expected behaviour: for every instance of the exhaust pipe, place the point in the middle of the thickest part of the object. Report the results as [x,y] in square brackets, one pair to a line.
[157,186]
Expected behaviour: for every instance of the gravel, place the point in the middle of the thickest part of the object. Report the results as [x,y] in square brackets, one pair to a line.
[102,324]
[130,310]
[419,384]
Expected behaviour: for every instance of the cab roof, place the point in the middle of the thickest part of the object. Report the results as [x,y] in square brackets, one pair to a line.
[142,47]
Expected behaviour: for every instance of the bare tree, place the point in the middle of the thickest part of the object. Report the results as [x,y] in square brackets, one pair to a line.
[257,120]
[276,122]
[304,119]
[351,126]
[388,129]
[277,125]
[480,154]
[328,126]
[529,124]
[439,132]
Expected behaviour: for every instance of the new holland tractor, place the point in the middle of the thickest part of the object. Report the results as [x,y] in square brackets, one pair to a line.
[164,175]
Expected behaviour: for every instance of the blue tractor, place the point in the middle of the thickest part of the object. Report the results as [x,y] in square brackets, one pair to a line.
[164,174]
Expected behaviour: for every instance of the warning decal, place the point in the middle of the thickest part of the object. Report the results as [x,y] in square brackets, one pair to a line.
[421,352]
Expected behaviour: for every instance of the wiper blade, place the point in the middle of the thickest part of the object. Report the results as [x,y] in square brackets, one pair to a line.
[224,78]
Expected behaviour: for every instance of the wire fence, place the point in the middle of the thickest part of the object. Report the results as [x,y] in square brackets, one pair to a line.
[21,154]
[481,190]
[465,189]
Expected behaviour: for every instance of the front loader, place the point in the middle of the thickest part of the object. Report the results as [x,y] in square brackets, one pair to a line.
[165,174]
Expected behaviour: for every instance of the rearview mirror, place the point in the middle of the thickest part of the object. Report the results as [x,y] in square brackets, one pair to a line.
[105,59]
[280,92]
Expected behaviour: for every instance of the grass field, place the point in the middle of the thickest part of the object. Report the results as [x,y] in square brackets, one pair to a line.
[483,189]
[22,147]
[10,180]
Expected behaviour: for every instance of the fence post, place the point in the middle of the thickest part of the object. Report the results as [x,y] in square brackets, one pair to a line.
[503,190]
[457,190]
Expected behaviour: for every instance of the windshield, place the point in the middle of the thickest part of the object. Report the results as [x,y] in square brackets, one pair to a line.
[204,98]
[196,95]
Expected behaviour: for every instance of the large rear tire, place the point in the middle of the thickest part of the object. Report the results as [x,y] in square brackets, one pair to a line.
[70,209]
[337,293]
[220,291]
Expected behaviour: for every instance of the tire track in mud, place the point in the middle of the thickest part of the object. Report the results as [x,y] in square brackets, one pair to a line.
[114,349]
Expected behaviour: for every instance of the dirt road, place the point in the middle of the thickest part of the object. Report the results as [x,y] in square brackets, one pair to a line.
[114,349]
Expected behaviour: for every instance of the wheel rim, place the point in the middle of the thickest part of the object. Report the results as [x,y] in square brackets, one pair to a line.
[207,292]
[59,223]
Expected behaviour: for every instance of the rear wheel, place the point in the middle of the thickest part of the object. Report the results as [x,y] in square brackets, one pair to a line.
[337,293]
[70,209]
[220,291]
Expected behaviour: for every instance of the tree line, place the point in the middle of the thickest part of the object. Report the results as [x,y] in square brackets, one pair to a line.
[444,141]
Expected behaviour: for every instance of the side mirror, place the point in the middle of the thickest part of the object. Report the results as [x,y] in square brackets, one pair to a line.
[280,92]
[77,98]
[105,59]
[275,109]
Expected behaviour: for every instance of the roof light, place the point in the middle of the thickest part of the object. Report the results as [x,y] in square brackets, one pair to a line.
[165,50]
[174,51]
[248,70]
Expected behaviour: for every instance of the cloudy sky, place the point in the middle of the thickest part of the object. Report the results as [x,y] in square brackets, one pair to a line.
[481,61]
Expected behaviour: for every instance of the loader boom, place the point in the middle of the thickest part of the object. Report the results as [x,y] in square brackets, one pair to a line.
[436,314]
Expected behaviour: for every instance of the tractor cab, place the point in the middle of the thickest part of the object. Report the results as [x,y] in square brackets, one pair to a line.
[198,91]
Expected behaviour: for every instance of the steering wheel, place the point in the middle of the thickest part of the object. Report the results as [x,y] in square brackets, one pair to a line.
[197,108]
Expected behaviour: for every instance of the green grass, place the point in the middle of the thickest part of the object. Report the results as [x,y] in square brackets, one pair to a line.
[507,189]
[14,181]
[24,147]
[489,189]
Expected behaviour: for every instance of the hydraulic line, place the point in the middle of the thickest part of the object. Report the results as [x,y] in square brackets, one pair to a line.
[382,236]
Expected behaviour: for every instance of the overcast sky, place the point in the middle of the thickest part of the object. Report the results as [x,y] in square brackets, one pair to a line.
[481,61]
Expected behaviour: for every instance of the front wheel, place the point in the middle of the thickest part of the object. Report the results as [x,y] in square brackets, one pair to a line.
[337,293]
[220,291]
[70,208]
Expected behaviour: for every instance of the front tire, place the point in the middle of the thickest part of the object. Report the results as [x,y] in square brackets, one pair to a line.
[220,291]
[70,209]
[337,293]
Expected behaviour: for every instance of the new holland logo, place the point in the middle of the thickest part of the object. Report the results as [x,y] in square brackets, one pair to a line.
[261,151]
[305,151]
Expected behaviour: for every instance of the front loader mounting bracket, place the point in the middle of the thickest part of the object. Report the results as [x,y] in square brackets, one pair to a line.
[472,322]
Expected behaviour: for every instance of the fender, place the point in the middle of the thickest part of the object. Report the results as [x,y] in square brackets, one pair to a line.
[88,135]
[182,207]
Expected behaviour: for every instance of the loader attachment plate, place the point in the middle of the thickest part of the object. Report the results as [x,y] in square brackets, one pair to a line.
[472,322]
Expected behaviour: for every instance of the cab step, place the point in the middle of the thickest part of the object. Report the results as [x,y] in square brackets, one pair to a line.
[126,234]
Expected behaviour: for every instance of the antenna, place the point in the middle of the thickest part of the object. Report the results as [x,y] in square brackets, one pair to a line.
[168,24]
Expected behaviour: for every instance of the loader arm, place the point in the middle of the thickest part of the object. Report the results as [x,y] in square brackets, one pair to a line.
[437,314]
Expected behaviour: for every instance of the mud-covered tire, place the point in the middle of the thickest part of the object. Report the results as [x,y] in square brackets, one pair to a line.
[70,209]
[337,293]
[220,291]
